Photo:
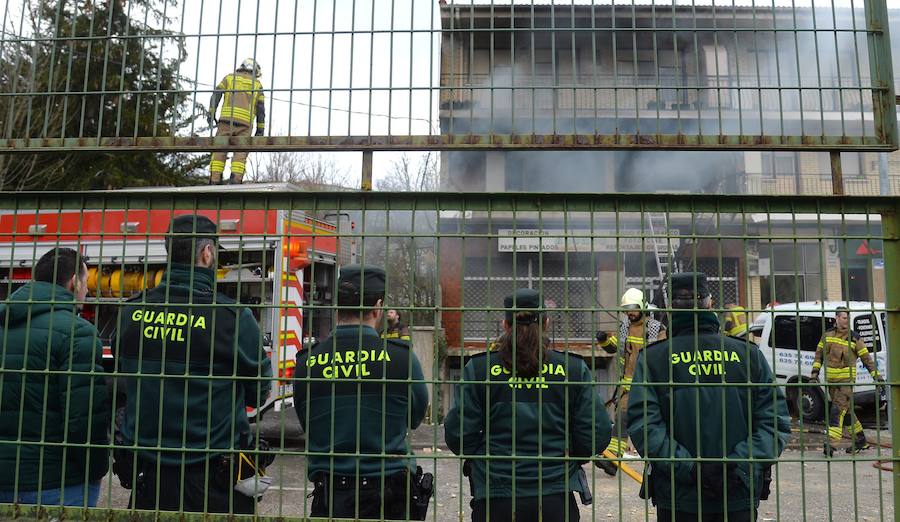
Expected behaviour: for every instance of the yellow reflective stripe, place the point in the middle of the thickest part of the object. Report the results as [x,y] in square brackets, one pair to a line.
[621,360]
[835,433]
[857,427]
[635,340]
[840,373]
[610,341]
[391,335]
[820,345]
[863,352]
[627,380]
[216,166]
[817,365]
[837,340]
[617,446]
[739,329]
[231,112]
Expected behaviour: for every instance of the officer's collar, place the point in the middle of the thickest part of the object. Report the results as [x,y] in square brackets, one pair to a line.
[196,277]
[683,323]
[355,327]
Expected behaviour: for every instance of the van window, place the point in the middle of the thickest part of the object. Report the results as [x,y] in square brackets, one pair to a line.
[867,330]
[785,327]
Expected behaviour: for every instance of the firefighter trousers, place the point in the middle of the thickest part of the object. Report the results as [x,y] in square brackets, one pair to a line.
[238,158]
[840,407]
[619,442]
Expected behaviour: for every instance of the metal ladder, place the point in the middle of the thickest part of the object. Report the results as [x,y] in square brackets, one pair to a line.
[662,249]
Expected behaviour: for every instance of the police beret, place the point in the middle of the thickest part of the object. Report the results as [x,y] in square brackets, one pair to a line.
[683,285]
[192,225]
[356,279]
[522,298]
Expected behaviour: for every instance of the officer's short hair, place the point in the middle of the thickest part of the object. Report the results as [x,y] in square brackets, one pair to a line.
[188,236]
[359,290]
[58,266]
[841,309]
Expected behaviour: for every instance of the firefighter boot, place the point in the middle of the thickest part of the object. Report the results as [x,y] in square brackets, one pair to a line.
[859,443]
[829,449]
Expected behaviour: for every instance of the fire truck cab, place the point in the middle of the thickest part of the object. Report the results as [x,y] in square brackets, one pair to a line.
[281,263]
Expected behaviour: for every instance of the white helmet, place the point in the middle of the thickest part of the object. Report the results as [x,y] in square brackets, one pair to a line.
[251,66]
[633,298]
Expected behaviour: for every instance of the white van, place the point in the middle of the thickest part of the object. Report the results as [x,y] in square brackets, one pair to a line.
[788,334]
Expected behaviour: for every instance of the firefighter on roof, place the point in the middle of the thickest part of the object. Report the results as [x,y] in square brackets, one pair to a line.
[837,352]
[243,102]
[635,331]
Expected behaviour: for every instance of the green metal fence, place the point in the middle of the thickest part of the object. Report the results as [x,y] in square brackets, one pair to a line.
[450,260]
[398,74]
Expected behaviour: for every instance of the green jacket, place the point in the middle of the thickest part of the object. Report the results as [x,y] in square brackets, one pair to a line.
[358,394]
[685,422]
[44,402]
[526,426]
[172,350]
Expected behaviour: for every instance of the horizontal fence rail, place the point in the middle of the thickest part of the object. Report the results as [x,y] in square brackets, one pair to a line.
[156,75]
[184,378]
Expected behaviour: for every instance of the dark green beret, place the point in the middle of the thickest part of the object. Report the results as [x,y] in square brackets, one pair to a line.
[358,280]
[684,284]
[522,298]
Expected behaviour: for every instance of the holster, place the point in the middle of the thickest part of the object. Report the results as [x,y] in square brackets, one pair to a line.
[766,489]
[123,458]
[587,498]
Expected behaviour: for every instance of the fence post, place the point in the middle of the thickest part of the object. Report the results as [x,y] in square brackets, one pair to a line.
[890,219]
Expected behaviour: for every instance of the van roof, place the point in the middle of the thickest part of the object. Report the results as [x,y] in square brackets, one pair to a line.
[812,306]
[827,306]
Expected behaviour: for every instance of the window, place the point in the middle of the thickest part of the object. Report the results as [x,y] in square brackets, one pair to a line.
[786,327]
[852,165]
[867,329]
[776,164]
[796,273]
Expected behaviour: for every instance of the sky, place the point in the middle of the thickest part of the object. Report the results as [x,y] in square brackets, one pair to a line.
[342,67]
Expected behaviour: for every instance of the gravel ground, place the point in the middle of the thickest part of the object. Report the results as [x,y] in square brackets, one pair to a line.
[815,489]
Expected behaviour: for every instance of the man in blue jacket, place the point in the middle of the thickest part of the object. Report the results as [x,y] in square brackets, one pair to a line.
[41,330]
[680,411]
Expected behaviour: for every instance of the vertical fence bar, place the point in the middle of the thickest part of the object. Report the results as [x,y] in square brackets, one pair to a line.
[890,221]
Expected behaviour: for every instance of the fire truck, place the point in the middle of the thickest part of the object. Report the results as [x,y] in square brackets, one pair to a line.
[280,263]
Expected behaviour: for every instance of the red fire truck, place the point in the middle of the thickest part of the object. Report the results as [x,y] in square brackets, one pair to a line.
[278,262]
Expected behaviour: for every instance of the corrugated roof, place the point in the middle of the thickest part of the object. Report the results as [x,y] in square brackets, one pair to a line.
[759,4]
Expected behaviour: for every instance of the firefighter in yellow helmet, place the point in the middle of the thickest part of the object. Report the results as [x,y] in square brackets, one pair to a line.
[735,321]
[635,332]
[838,351]
[243,102]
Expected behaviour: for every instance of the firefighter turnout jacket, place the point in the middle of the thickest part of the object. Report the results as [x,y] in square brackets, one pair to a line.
[838,351]
[170,341]
[509,418]
[629,342]
[244,100]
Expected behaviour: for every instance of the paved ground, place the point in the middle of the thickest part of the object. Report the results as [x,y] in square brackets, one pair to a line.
[801,491]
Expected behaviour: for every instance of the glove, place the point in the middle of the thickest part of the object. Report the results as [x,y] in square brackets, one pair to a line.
[602,337]
[814,376]
[260,132]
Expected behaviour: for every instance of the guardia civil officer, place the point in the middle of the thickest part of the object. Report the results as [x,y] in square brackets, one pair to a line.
[357,396]
[526,407]
[170,352]
[682,421]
